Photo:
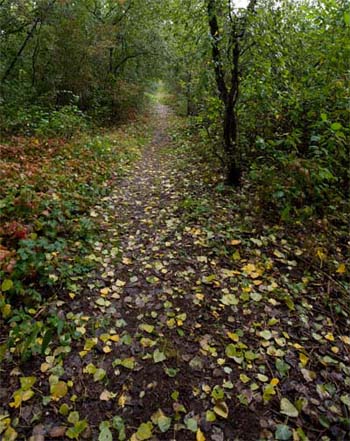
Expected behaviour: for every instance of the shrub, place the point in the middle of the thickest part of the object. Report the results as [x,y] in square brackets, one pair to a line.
[35,120]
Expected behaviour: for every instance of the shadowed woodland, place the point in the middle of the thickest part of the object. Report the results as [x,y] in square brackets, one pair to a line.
[174,220]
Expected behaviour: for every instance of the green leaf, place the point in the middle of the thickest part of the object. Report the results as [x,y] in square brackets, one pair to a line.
[144,431]
[229,300]
[105,433]
[210,416]
[6,285]
[73,417]
[288,408]
[218,393]
[256,296]
[99,374]
[128,363]
[250,355]
[345,399]
[164,423]
[78,428]
[336,126]
[283,432]
[230,350]
[171,372]
[64,409]
[158,356]
[347,18]
[191,424]
[282,367]
[27,382]
[119,426]
[266,334]
[46,340]
[147,328]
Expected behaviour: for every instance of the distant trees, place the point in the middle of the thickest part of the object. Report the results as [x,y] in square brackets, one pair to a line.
[94,53]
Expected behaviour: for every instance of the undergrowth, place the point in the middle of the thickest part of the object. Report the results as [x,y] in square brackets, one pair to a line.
[47,192]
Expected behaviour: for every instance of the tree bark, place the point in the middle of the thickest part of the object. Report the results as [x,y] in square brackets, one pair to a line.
[228,89]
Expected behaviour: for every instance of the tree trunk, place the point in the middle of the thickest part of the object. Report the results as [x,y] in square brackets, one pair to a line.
[234,171]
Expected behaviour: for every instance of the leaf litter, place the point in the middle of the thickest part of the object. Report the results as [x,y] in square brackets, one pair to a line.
[197,325]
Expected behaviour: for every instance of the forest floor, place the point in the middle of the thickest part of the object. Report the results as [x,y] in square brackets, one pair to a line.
[200,322]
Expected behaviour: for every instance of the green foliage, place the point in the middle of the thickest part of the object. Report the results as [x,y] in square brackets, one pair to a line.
[36,121]
[99,56]
[292,107]
[48,233]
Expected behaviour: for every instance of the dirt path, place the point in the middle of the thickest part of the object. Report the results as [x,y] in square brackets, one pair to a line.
[165,357]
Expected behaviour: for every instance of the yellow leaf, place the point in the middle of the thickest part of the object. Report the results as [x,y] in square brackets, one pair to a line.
[90,343]
[321,254]
[235,242]
[200,435]
[104,337]
[278,254]
[106,395]
[244,378]
[274,381]
[345,339]
[303,359]
[104,292]
[233,336]
[58,390]
[329,336]
[341,268]
[6,310]
[122,400]
[21,395]
[114,337]
[27,395]
[45,367]
[10,434]
[106,349]
[221,409]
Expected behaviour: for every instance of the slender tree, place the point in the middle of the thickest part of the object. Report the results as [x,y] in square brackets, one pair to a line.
[227,76]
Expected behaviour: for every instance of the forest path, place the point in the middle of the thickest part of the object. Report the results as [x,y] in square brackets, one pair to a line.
[158,299]
[198,323]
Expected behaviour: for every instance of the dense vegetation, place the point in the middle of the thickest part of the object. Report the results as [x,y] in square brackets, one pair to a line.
[270,81]
[260,95]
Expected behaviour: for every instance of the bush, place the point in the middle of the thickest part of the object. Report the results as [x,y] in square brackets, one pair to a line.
[294,184]
[37,121]
[64,122]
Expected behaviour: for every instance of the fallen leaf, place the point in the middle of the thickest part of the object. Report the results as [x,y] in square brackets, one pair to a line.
[200,435]
[221,409]
[288,408]
[144,431]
